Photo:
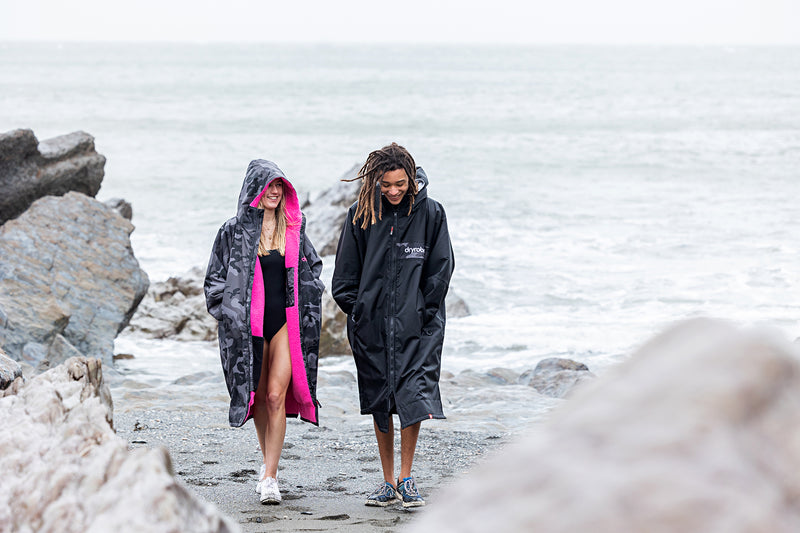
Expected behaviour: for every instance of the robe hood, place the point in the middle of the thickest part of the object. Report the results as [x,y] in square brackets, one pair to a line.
[260,173]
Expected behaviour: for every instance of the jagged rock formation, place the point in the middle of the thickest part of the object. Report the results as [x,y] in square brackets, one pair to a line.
[69,281]
[176,309]
[326,210]
[65,470]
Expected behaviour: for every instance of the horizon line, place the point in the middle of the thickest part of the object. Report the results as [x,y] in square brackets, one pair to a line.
[720,44]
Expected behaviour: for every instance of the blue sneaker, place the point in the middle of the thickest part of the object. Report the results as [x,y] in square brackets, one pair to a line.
[383,496]
[407,493]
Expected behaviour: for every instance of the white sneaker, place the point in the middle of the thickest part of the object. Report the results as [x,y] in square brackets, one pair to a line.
[270,493]
[260,475]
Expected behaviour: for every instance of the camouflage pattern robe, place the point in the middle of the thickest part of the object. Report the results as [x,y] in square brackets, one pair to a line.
[232,297]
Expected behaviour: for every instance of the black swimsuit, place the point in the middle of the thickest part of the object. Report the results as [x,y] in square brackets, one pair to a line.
[273,268]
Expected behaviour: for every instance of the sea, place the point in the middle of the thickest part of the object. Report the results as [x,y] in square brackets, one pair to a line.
[595,194]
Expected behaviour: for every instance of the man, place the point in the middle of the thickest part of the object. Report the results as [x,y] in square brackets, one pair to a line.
[393,268]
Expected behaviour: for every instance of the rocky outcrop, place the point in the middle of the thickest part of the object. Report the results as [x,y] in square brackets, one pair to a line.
[69,281]
[30,170]
[176,309]
[326,210]
[333,337]
[65,470]
[124,208]
[556,377]
[552,377]
[697,432]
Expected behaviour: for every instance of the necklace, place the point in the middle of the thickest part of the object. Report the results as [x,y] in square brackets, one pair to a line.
[267,228]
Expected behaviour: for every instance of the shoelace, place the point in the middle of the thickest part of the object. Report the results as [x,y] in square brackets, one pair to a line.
[410,488]
[385,489]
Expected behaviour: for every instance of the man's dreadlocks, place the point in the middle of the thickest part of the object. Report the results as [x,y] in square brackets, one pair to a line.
[388,158]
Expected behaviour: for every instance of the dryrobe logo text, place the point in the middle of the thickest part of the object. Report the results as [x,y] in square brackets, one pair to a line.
[411,250]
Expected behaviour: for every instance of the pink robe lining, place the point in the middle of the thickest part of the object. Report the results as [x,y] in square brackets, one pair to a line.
[298,397]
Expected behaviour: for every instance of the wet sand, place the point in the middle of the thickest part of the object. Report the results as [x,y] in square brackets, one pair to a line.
[325,472]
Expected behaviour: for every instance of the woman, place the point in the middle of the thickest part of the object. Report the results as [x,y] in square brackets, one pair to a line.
[393,268]
[262,285]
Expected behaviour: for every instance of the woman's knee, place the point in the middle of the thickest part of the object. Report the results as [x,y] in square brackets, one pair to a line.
[276,400]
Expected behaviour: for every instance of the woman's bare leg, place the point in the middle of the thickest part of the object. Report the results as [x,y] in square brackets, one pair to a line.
[278,377]
[260,403]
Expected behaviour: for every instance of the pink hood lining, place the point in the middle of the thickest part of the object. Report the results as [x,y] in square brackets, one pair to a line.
[298,397]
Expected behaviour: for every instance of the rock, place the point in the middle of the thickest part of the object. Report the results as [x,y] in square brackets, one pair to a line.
[69,281]
[697,432]
[30,170]
[326,210]
[65,470]
[339,378]
[176,309]
[502,376]
[333,338]
[10,372]
[556,377]
[455,306]
[125,209]
[471,379]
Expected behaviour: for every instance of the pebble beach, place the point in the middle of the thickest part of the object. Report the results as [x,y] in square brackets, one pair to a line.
[325,472]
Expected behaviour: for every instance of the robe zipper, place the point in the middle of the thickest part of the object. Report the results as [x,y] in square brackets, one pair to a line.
[392,304]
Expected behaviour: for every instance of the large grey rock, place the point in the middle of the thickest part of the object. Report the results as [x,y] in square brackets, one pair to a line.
[65,470]
[30,169]
[176,309]
[326,210]
[698,432]
[68,280]
[556,377]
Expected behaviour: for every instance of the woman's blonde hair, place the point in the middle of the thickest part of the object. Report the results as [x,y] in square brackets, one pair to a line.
[278,240]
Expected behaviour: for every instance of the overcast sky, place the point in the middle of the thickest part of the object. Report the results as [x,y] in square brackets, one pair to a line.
[406,21]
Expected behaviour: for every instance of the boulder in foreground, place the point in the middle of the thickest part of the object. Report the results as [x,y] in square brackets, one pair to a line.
[65,470]
[697,432]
